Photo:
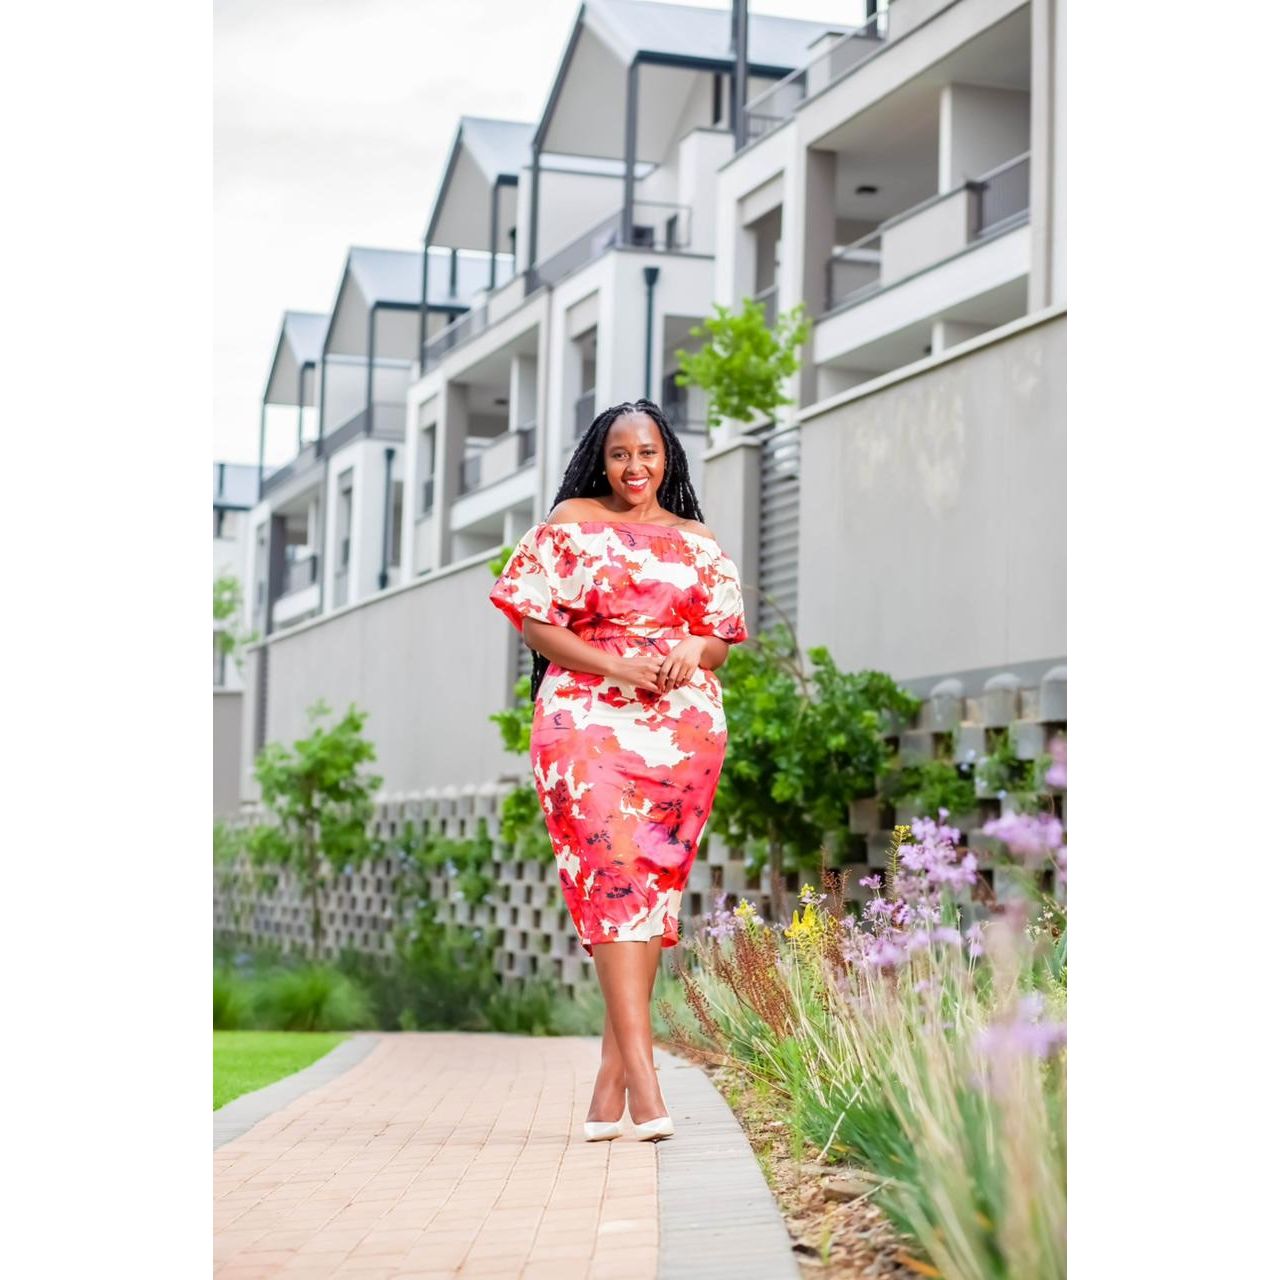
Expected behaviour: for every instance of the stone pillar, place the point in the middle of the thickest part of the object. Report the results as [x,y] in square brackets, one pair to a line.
[451,437]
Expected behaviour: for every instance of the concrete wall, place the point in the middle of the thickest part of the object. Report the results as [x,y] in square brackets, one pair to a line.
[429,662]
[933,526]
[226,751]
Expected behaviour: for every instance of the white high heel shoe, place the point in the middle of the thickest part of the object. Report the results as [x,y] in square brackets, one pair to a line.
[602,1130]
[658,1127]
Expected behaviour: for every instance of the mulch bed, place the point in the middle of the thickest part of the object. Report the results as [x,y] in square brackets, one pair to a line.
[836,1232]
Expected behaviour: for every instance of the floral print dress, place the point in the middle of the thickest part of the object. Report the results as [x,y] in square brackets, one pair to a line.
[626,776]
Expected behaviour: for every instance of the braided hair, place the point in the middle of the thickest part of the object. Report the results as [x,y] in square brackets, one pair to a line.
[584,478]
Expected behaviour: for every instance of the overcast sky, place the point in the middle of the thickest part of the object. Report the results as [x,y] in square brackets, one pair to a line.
[332,122]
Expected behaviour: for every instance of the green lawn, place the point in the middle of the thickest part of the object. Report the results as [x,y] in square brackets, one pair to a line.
[247,1060]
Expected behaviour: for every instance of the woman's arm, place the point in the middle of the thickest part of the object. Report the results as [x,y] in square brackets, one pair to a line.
[561,646]
[714,652]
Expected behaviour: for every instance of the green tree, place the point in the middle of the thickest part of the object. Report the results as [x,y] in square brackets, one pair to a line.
[227,602]
[803,745]
[744,364]
[322,802]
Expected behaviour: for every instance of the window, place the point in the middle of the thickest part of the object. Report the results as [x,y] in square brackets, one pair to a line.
[219,663]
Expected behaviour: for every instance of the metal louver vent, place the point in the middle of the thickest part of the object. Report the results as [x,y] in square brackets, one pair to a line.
[779,526]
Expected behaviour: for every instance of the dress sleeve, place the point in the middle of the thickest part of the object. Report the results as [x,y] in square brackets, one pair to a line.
[724,616]
[541,580]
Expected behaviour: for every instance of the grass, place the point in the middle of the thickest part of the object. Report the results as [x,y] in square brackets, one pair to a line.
[248,1060]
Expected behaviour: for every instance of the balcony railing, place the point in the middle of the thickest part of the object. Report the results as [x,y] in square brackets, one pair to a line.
[465,327]
[385,420]
[654,225]
[1005,195]
[854,270]
[777,104]
[584,413]
[497,458]
[299,571]
[305,457]
[930,232]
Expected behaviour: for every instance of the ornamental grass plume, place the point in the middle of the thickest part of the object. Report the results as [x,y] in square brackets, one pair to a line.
[915,1042]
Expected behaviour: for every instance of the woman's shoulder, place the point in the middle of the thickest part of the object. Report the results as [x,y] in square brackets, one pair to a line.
[585,511]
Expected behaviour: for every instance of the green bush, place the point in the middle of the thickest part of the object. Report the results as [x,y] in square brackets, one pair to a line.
[232,1001]
[314,998]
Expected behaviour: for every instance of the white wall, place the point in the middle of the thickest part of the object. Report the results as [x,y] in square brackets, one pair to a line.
[978,129]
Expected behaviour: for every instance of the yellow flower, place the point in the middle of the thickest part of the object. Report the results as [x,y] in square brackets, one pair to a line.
[802,926]
[745,909]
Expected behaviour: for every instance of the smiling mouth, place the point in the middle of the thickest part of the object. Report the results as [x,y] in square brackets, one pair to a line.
[636,484]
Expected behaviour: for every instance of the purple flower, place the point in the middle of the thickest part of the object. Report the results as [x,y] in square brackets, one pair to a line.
[881,953]
[1027,835]
[870,882]
[1056,774]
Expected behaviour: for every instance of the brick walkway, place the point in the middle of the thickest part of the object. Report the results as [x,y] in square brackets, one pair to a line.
[440,1154]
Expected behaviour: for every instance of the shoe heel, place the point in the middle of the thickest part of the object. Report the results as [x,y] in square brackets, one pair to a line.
[601,1130]
[655,1129]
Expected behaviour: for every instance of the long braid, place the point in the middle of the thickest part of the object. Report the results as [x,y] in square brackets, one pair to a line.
[584,478]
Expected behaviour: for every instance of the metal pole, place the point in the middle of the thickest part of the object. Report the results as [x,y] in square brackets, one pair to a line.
[262,443]
[387,513]
[650,279]
[493,236]
[536,174]
[371,343]
[422,312]
[739,74]
[629,151]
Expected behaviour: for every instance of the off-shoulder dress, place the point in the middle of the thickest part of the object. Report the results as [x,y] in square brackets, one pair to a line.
[626,776]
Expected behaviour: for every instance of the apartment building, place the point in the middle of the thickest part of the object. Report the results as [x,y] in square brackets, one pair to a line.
[906,185]
[902,177]
[599,223]
[235,490]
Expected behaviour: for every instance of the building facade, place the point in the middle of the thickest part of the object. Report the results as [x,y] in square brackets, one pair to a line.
[901,177]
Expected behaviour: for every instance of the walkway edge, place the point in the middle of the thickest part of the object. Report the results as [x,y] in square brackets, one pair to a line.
[240,1114]
[717,1218]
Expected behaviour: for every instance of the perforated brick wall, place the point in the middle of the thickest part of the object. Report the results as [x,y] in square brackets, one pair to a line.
[537,939]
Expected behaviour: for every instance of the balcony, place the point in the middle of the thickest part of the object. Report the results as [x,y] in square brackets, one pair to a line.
[305,459]
[465,327]
[496,459]
[768,298]
[773,108]
[384,421]
[655,225]
[930,233]
[301,570]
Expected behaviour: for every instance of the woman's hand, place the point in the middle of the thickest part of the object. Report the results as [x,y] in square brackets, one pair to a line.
[661,673]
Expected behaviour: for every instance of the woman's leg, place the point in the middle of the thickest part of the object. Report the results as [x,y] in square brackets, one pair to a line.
[627,973]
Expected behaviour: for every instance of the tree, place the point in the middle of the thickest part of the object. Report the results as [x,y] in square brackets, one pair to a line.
[227,601]
[322,803]
[744,365]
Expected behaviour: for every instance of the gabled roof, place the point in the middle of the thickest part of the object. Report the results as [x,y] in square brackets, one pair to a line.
[644,26]
[587,103]
[499,147]
[483,153]
[300,342]
[385,275]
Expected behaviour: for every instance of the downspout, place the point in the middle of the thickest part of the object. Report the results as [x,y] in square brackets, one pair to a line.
[739,101]
[493,236]
[422,310]
[629,151]
[531,281]
[387,512]
[370,346]
[650,279]
[262,442]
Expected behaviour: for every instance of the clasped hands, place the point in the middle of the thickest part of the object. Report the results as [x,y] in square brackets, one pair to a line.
[660,673]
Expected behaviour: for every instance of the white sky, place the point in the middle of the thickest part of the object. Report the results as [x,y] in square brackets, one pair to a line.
[332,122]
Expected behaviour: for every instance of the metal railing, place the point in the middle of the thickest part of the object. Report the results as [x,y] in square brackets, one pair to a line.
[305,458]
[385,420]
[1003,200]
[853,270]
[777,104]
[1004,196]
[655,225]
[465,327]
[299,572]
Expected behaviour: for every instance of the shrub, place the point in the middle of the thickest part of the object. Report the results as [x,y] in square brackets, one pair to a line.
[232,1001]
[314,998]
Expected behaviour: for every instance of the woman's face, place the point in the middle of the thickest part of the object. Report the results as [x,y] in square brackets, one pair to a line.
[634,459]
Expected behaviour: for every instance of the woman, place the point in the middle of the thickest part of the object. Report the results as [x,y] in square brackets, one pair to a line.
[629,605]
